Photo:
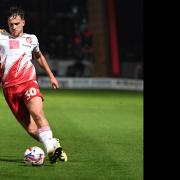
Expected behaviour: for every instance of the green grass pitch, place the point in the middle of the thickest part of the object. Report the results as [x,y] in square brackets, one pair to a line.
[101,131]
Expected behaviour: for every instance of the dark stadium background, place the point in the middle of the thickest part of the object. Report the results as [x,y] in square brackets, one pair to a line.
[61,29]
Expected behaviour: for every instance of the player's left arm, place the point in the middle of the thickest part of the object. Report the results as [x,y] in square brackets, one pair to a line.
[44,65]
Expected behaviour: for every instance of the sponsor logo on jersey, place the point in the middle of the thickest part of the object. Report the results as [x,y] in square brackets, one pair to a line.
[13,44]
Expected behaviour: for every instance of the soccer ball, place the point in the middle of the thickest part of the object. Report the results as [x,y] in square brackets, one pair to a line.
[34,156]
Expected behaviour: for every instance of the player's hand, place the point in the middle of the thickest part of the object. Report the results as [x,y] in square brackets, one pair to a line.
[54,83]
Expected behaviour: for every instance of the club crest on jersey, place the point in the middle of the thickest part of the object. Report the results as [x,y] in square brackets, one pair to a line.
[29,40]
[13,44]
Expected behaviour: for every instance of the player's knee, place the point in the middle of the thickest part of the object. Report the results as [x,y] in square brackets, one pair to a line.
[32,132]
[37,116]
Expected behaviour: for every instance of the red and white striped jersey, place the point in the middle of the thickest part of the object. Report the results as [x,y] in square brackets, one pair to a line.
[15,58]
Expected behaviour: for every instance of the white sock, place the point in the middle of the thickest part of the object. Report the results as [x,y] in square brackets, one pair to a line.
[56,142]
[46,137]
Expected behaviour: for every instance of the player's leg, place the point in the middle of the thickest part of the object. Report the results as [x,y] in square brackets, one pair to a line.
[18,108]
[33,100]
[35,108]
[28,123]
[53,148]
[30,126]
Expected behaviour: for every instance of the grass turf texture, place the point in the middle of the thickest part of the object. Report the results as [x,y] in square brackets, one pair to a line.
[101,131]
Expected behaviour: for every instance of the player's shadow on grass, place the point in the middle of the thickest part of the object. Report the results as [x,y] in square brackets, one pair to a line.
[13,159]
[10,159]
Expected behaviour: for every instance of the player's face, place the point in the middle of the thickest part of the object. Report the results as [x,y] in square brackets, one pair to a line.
[16,25]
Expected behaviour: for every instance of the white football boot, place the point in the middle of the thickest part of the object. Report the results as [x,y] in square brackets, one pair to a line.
[57,153]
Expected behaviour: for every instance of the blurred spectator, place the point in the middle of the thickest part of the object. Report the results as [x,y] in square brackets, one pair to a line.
[87,38]
[77,46]
[76,70]
[87,44]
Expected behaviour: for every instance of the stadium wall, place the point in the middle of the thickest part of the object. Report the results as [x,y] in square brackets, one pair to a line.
[95,83]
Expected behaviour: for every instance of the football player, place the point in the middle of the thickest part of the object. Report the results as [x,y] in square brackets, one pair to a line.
[19,82]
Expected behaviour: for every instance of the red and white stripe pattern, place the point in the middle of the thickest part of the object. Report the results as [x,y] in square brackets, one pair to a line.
[15,59]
